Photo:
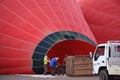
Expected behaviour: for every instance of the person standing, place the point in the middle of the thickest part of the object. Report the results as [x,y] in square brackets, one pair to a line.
[53,64]
[46,60]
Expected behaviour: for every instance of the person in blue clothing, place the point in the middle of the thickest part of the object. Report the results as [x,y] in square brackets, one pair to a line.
[53,64]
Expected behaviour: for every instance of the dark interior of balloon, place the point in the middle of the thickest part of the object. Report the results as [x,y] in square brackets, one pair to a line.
[70,48]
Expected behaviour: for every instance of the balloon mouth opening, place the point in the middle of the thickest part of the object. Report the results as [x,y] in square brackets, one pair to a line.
[70,48]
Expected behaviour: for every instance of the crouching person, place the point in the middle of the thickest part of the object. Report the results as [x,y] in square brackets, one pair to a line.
[53,64]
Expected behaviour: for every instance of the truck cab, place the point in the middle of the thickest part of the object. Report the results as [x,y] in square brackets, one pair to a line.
[106,60]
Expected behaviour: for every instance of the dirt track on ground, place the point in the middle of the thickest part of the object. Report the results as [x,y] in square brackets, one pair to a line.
[43,77]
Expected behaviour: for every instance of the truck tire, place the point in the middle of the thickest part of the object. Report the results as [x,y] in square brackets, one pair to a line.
[103,75]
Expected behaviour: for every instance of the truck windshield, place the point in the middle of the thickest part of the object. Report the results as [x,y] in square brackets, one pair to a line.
[99,52]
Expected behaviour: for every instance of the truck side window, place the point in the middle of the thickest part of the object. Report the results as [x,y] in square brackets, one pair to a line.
[115,52]
[99,52]
[118,51]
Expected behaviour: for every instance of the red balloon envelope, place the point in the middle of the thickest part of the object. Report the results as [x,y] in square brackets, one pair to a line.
[30,29]
[103,18]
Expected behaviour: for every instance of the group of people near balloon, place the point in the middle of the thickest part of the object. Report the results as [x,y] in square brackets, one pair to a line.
[55,67]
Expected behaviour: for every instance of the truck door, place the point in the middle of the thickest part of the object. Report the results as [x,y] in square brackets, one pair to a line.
[114,60]
[98,59]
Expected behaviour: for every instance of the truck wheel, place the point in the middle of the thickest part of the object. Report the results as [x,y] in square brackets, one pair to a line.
[103,75]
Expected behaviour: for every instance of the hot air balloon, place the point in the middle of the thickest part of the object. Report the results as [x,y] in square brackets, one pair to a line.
[30,29]
[103,18]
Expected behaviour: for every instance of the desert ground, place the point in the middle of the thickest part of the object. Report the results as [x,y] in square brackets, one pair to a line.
[44,77]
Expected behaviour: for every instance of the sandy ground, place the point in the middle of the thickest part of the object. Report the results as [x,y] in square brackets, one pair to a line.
[44,77]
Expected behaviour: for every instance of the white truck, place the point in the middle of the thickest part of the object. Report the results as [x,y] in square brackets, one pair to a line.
[106,60]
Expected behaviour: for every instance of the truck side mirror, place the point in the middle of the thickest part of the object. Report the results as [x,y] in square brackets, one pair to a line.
[90,55]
